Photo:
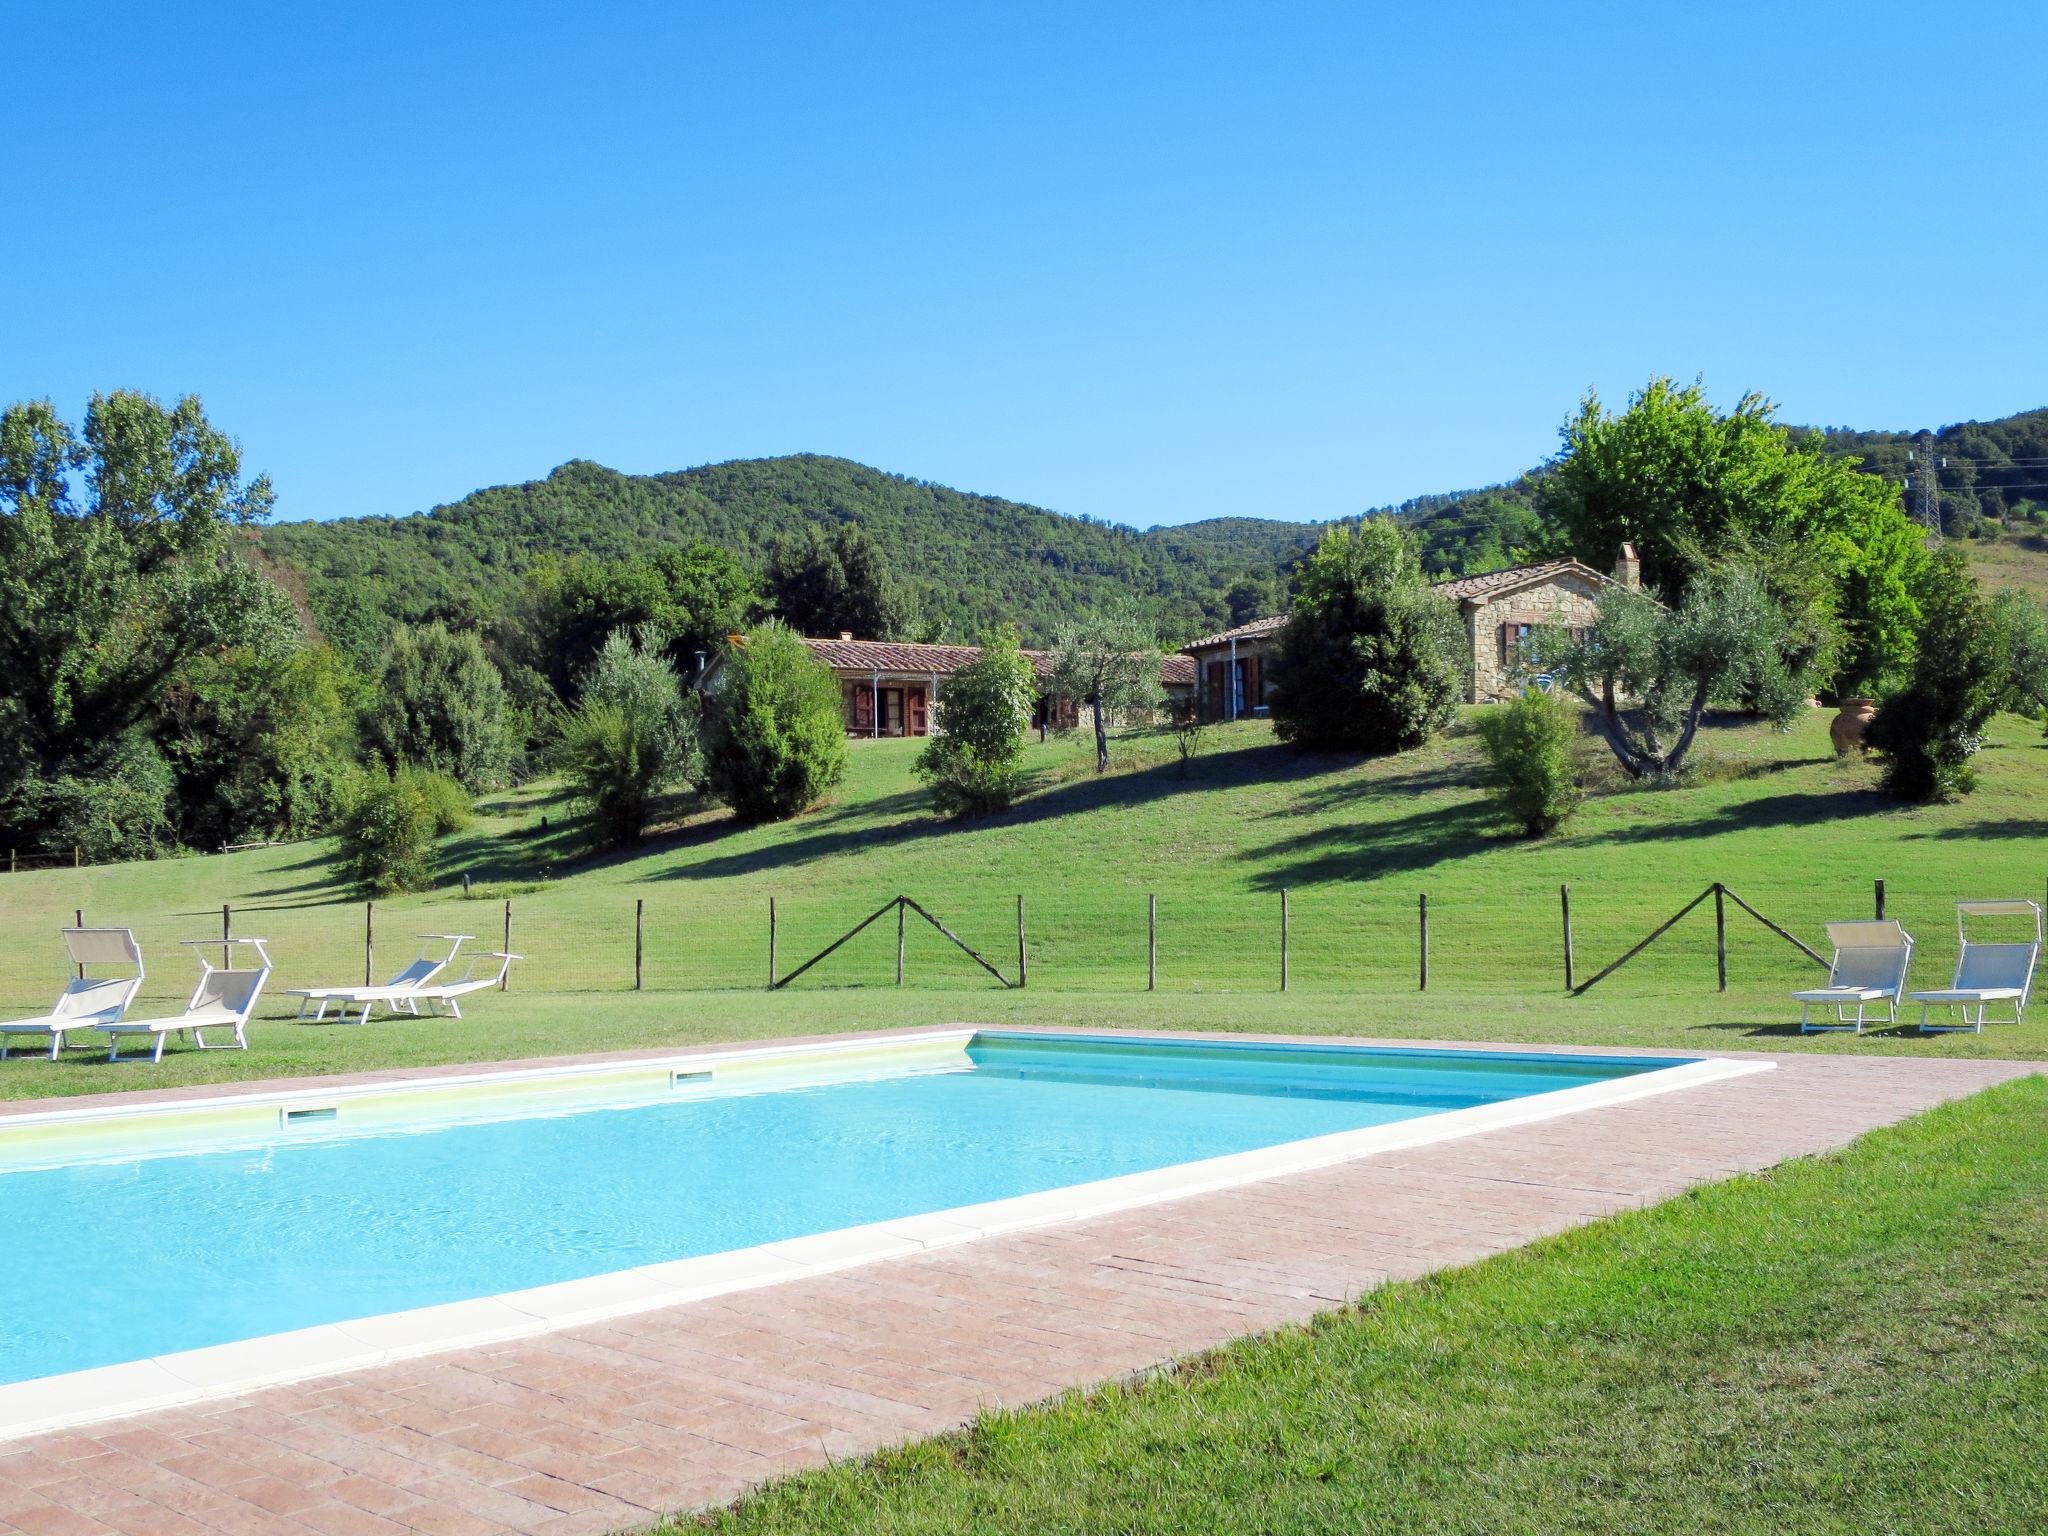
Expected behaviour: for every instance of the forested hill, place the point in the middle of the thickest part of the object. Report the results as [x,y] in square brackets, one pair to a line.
[967,560]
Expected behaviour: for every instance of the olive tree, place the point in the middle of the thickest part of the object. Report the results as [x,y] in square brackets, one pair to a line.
[1648,672]
[1110,662]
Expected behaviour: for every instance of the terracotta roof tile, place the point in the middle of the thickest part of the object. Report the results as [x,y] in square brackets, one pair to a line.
[945,660]
[1250,631]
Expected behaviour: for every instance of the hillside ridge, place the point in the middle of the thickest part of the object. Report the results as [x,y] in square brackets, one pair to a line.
[972,559]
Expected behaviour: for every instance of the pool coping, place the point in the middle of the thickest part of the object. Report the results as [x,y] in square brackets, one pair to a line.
[91,1396]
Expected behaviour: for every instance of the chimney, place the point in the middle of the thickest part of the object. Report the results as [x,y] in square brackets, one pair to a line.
[846,634]
[1628,568]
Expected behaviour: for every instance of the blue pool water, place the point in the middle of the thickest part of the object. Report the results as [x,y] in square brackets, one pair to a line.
[125,1260]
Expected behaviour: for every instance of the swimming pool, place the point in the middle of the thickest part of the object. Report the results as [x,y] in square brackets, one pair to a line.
[168,1236]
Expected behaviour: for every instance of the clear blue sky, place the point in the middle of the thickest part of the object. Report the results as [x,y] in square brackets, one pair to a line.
[1149,262]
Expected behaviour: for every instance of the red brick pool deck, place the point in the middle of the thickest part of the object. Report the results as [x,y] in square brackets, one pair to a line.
[613,1424]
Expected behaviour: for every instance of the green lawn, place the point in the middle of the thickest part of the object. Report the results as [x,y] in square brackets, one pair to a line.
[1778,818]
[1853,1344]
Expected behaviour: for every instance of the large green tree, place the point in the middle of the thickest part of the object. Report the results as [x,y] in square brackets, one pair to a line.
[1370,657]
[686,600]
[1929,730]
[1690,485]
[440,705]
[263,741]
[117,570]
[827,583]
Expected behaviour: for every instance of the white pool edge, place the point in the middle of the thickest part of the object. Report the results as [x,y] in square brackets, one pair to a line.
[94,1396]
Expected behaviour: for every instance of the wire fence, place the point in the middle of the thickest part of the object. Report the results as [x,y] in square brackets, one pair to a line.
[1326,937]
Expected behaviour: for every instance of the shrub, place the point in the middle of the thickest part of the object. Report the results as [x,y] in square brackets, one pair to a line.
[632,738]
[447,802]
[440,704]
[778,738]
[1929,731]
[1531,748]
[1184,720]
[387,834]
[1370,657]
[976,764]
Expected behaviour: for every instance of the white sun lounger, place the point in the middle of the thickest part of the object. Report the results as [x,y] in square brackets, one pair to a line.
[222,1000]
[1870,965]
[1986,973]
[435,996]
[86,1000]
[398,990]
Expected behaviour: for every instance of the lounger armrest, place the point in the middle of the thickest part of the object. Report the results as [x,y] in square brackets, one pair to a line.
[1967,995]
[1842,995]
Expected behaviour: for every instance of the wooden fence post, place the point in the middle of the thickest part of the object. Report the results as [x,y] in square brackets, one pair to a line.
[1880,901]
[1152,943]
[1720,937]
[78,921]
[227,959]
[1022,972]
[1422,920]
[75,861]
[369,939]
[1564,898]
[639,941]
[1283,938]
[505,978]
[771,943]
[900,915]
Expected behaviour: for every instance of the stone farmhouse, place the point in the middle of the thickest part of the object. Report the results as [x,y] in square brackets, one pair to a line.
[1500,609]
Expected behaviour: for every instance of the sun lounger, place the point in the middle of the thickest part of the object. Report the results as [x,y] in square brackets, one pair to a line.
[224,999]
[1869,967]
[396,992]
[1986,973]
[435,996]
[86,1000]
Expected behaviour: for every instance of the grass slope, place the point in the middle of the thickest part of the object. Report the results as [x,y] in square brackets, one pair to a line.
[2019,562]
[1851,1344]
[1778,818]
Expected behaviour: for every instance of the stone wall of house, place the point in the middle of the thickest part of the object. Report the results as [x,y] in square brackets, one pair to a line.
[1566,601]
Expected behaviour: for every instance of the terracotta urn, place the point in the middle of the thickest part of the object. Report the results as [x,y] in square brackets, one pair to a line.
[1850,722]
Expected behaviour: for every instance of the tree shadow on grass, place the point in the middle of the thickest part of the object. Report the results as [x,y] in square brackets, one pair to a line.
[894,823]
[1803,809]
[1986,831]
[1345,793]
[1369,850]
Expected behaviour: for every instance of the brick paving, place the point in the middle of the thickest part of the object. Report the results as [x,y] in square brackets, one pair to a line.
[612,1424]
